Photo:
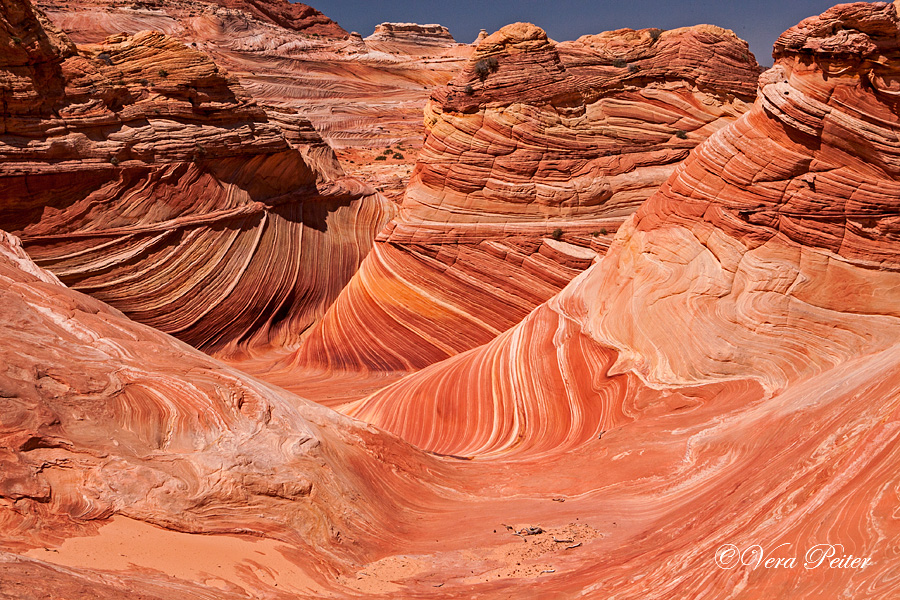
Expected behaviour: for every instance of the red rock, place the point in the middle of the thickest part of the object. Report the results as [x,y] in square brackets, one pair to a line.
[412,33]
[359,94]
[141,173]
[102,418]
[290,15]
[536,152]
[727,373]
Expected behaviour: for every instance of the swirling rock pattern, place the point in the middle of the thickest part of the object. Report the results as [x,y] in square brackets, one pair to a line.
[536,152]
[359,94]
[101,416]
[142,174]
[735,351]
[775,244]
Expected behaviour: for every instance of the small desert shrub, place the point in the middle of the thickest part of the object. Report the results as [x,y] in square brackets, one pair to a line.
[556,234]
[381,157]
[105,57]
[16,40]
[469,90]
[163,73]
[655,33]
[681,134]
[387,151]
[114,161]
[620,63]
[486,66]
[633,69]
[603,232]
[397,156]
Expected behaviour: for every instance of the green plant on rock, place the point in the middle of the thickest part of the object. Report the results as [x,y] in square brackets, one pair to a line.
[556,234]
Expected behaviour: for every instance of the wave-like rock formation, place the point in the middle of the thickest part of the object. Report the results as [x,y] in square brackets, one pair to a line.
[726,377]
[733,359]
[536,152]
[771,254]
[140,173]
[101,418]
[359,94]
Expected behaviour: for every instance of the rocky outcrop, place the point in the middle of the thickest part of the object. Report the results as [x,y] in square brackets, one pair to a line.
[102,418]
[731,363]
[726,377]
[536,152]
[139,172]
[773,232]
[361,96]
[294,16]
[412,33]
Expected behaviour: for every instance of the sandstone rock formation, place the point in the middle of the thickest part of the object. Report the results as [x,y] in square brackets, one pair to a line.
[362,96]
[726,375]
[769,255]
[290,15]
[413,34]
[102,418]
[728,372]
[536,152]
[141,173]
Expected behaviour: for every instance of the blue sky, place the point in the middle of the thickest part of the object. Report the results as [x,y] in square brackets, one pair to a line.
[757,21]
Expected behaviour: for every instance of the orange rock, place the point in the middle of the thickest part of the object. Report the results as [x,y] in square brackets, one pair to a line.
[535,153]
[141,173]
[727,375]
[357,93]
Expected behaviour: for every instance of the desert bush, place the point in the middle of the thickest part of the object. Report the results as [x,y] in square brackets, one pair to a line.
[486,66]
[556,234]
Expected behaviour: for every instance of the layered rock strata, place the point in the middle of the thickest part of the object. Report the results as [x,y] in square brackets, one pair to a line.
[139,172]
[359,94]
[731,364]
[102,418]
[536,152]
